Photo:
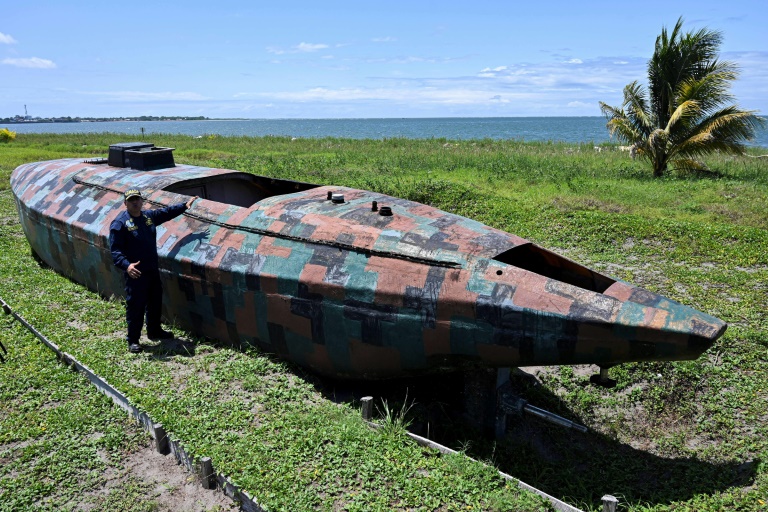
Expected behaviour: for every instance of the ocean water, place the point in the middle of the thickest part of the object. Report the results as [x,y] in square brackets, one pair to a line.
[565,129]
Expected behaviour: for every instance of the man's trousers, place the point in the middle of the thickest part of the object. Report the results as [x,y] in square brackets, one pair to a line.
[144,298]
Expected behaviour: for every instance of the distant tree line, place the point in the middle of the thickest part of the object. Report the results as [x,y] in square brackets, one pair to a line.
[68,119]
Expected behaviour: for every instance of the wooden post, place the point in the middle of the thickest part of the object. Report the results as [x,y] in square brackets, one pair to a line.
[161,439]
[206,473]
[609,503]
[367,407]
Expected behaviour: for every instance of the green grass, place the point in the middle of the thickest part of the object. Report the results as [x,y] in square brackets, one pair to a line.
[670,436]
[58,435]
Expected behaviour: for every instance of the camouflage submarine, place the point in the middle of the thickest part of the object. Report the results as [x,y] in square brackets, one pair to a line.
[348,283]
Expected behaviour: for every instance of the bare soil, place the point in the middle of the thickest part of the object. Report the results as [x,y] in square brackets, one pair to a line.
[166,483]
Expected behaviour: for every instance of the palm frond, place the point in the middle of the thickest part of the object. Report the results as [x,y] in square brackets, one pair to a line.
[628,123]
[623,129]
[711,91]
[725,131]
[636,106]
[683,116]
[610,112]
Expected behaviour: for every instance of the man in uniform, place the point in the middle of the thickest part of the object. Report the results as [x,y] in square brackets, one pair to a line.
[132,240]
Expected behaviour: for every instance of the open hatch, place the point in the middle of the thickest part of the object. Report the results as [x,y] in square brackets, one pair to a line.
[533,258]
[237,188]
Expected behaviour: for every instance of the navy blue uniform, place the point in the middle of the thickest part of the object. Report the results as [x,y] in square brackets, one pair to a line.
[134,239]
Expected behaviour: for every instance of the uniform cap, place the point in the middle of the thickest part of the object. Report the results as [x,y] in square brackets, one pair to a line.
[132,192]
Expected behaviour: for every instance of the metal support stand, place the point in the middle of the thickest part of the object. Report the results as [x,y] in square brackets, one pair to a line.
[602,378]
[480,408]
[488,400]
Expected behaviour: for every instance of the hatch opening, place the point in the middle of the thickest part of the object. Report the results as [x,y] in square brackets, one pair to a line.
[535,259]
[237,188]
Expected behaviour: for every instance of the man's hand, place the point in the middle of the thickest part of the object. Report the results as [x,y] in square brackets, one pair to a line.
[134,272]
[191,200]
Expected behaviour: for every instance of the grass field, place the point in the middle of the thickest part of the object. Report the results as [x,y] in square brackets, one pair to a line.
[670,436]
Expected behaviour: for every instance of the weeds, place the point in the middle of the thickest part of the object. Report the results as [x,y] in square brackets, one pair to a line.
[395,422]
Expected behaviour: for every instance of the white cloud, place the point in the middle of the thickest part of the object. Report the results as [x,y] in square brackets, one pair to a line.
[148,96]
[491,72]
[543,88]
[424,95]
[574,61]
[299,48]
[590,75]
[32,62]
[309,47]
[384,39]
[6,39]
[400,60]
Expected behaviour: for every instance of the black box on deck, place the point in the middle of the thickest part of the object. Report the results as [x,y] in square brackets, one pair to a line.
[148,159]
[140,156]
[117,152]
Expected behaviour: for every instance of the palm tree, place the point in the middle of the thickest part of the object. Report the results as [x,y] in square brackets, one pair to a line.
[685,112]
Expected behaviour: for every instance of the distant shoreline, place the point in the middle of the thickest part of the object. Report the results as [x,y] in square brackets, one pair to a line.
[588,130]
[37,120]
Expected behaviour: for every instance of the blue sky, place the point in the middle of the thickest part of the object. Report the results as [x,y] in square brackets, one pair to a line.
[333,59]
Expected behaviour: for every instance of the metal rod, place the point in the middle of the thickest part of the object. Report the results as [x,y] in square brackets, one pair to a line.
[553,418]
[29,326]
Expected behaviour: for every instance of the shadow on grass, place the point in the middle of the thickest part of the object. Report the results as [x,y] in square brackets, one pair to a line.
[166,349]
[578,468]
